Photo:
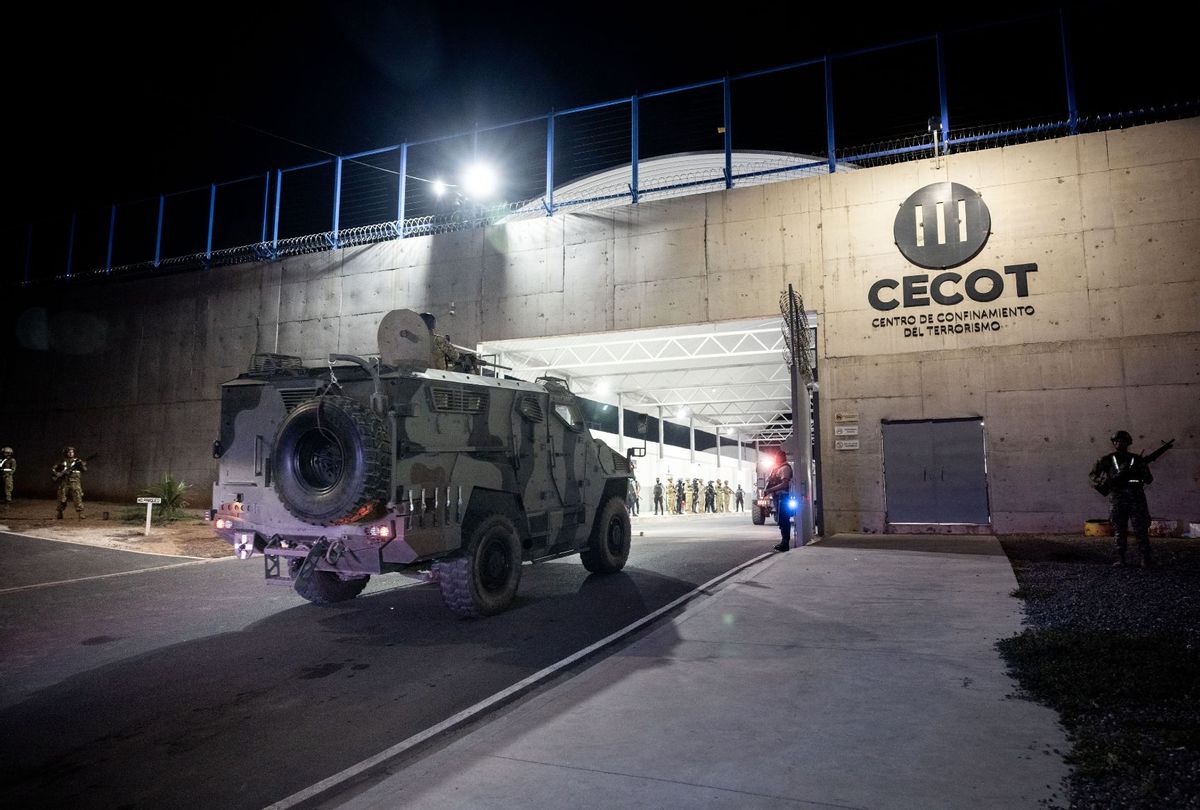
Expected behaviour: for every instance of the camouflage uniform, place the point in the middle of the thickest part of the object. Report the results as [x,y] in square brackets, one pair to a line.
[442,355]
[445,356]
[8,468]
[68,472]
[695,495]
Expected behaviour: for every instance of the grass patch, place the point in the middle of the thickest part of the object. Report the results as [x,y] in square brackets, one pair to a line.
[1078,671]
[1116,655]
[173,497]
[1129,703]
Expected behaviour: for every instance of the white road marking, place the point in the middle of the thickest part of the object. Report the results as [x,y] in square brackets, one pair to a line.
[500,697]
[191,561]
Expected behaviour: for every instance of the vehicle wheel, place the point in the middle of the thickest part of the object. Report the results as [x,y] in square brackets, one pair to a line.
[331,461]
[482,581]
[327,587]
[608,547]
[756,515]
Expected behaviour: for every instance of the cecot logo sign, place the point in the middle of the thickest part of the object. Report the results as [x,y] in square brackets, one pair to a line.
[942,225]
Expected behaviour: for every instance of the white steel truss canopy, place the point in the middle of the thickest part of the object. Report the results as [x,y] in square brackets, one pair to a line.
[729,377]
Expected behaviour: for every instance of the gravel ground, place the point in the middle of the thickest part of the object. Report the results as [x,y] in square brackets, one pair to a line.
[1116,651]
[189,537]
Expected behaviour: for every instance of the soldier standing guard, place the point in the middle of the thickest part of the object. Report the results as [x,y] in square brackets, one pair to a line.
[8,468]
[69,473]
[658,496]
[1124,475]
[779,486]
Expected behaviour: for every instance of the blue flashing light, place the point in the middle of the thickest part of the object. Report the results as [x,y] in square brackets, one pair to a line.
[792,504]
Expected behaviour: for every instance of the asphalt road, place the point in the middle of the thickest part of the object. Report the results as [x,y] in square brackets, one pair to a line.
[133,681]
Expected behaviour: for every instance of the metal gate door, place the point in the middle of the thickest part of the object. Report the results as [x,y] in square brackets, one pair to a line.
[935,472]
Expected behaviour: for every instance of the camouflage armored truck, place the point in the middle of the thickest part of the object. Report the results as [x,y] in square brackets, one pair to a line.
[336,473]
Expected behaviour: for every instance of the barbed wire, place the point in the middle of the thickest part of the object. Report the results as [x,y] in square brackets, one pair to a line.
[798,349]
[697,180]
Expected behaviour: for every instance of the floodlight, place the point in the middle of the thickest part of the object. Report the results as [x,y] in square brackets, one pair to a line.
[479,181]
[439,188]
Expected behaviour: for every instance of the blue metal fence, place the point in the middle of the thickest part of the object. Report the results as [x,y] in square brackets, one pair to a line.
[949,92]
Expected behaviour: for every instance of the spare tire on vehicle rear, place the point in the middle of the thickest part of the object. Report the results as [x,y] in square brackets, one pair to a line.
[331,461]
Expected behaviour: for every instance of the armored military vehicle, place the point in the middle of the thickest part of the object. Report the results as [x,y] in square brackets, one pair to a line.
[373,466]
[762,507]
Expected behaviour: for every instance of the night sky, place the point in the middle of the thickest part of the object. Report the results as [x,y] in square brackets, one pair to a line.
[111,108]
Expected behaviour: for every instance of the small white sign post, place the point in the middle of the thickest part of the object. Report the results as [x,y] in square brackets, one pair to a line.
[149,506]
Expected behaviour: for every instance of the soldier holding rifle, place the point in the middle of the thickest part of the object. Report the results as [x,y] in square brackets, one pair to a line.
[1123,476]
[69,474]
[8,469]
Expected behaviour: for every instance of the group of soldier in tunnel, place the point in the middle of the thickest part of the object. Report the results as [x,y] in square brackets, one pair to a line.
[682,496]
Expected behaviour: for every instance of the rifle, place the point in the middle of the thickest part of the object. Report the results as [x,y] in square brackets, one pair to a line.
[57,475]
[1153,456]
[1110,479]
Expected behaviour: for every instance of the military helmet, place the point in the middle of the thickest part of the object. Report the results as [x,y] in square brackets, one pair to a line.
[1122,436]
[6,450]
[68,449]
[430,321]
